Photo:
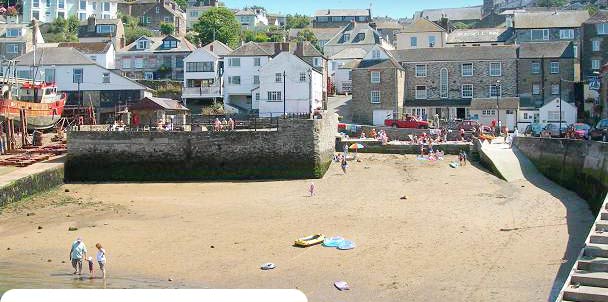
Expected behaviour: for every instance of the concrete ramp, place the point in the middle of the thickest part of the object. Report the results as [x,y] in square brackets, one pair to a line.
[509,163]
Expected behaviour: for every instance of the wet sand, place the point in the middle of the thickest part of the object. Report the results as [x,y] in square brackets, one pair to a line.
[461,234]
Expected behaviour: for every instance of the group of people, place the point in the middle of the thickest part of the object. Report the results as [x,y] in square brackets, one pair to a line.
[78,254]
[381,136]
[223,125]
[341,158]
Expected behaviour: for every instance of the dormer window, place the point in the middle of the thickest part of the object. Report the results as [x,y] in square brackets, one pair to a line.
[142,44]
[345,38]
[169,44]
[13,32]
[359,37]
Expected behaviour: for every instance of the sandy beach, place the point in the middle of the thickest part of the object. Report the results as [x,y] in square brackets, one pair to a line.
[461,234]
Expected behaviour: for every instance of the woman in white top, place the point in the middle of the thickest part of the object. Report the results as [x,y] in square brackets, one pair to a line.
[101,259]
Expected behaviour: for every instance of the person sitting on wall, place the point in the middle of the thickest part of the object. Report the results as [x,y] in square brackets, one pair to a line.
[363,135]
[373,133]
[231,124]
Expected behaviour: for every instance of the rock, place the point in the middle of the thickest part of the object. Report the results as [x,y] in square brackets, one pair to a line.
[170,279]
[68,215]
[212,246]
[106,223]
[40,227]
[8,248]
[403,197]
[49,260]
[66,190]
[62,261]
[30,214]
[71,229]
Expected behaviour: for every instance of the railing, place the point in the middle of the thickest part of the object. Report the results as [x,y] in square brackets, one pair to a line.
[201,91]
[347,86]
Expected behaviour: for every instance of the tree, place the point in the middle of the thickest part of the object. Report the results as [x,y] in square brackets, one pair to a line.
[219,23]
[134,33]
[277,37]
[73,24]
[167,28]
[261,37]
[182,3]
[306,35]
[297,21]
[129,21]
[592,9]
[193,38]
[461,25]
[550,3]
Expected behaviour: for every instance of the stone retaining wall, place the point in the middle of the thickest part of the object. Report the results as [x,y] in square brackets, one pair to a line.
[580,166]
[297,149]
[31,185]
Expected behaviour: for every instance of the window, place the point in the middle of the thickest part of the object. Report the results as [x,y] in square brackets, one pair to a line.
[278,77]
[234,80]
[602,28]
[83,4]
[443,83]
[257,62]
[566,34]
[139,63]
[535,89]
[48,3]
[82,16]
[61,4]
[199,67]
[554,67]
[467,69]
[61,15]
[36,15]
[93,58]
[495,90]
[595,64]
[167,19]
[169,44]
[274,96]
[77,75]
[495,69]
[49,75]
[467,91]
[540,34]
[359,37]
[555,89]
[105,6]
[36,3]
[193,14]
[94,5]
[345,38]
[179,62]
[419,112]
[157,10]
[488,112]
[12,48]
[375,54]
[535,68]
[257,96]
[413,42]
[13,32]
[350,75]
[104,28]
[126,63]
[47,14]
[256,79]
[375,77]
[149,75]
[595,45]
[553,115]
[234,62]
[421,92]
[375,97]
[432,41]
[316,62]
[421,71]
[302,76]
[106,77]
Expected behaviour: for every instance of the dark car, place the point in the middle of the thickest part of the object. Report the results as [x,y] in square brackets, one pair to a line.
[552,130]
[600,132]
[533,129]
[578,131]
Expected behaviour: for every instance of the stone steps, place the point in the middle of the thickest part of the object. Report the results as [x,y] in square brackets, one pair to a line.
[586,294]
[596,250]
[592,279]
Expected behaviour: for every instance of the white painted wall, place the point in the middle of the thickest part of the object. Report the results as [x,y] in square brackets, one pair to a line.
[106,59]
[568,113]
[403,40]
[246,71]
[48,14]
[201,55]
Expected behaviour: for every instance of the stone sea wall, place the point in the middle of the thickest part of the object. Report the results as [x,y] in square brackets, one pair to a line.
[580,166]
[30,185]
[296,149]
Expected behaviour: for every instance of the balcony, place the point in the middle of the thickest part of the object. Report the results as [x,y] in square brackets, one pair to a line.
[201,92]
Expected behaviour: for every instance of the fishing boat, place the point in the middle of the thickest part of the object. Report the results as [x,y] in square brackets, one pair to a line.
[42,104]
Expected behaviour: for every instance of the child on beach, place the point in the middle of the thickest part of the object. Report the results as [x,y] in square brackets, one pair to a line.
[91,267]
[344,165]
[101,259]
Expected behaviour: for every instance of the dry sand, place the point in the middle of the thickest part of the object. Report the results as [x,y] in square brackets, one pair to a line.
[461,234]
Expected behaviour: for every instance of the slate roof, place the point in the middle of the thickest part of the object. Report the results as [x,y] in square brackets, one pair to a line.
[156,45]
[272,49]
[341,12]
[162,103]
[388,25]
[557,49]
[83,29]
[500,52]
[54,56]
[490,103]
[245,12]
[422,25]
[550,19]
[480,35]
[454,14]
[599,17]
[350,53]
[88,47]
[219,48]
[370,35]
[322,34]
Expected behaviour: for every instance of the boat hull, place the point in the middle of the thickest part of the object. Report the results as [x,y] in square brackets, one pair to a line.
[39,115]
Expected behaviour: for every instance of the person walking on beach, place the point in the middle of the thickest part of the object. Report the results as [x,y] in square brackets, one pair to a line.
[311,189]
[344,165]
[78,252]
[101,259]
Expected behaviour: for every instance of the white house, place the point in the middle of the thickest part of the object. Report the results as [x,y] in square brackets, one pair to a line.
[341,67]
[550,113]
[203,72]
[48,10]
[102,53]
[81,79]
[288,85]
[252,18]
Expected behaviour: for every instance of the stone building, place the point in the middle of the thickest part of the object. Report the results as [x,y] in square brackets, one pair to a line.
[443,81]
[378,88]
[18,39]
[340,17]
[152,13]
[546,71]
[421,33]
[594,47]
[102,30]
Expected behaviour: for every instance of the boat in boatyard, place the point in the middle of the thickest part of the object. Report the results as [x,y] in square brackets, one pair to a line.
[43,105]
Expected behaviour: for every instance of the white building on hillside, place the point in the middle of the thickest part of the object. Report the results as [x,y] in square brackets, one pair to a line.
[203,72]
[252,18]
[102,53]
[288,84]
[47,11]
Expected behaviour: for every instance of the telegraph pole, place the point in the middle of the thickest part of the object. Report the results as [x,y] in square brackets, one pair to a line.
[310,90]
[284,96]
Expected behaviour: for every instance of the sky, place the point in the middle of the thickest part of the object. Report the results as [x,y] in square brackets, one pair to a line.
[392,8]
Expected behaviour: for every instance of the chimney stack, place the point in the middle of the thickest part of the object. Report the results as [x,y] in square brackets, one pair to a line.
[91,22]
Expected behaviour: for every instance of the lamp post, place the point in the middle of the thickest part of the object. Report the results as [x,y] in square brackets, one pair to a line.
[497,106]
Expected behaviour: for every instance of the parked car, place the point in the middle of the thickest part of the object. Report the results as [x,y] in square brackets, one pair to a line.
[578,131]
[533,129]
[552,130]
[407,122]
[600,131]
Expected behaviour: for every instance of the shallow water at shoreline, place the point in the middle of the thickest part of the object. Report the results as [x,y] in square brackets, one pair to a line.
[13,276]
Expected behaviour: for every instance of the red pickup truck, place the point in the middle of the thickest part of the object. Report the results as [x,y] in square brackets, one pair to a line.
[406,123]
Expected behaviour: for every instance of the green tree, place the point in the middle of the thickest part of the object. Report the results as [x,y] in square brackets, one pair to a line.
[306,35]
[59,25]
[550,3]
[182,3]
[261,37]
[461,25]
[129,21]
[134,33]
[218,22]
[592,9]
[73,24]
[193,38]
[277,37]
[297,21]
[167,28]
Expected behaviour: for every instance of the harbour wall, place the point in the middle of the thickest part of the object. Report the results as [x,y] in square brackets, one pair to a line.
[580,166]
[30,184]
[297,148]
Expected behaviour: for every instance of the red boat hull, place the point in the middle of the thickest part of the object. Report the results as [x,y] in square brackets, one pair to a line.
[39,115]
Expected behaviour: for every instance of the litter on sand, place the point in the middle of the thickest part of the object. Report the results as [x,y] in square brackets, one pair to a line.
[454,164]
[268,266]
[346,245]
[310,240]
[341,285]
[333,241]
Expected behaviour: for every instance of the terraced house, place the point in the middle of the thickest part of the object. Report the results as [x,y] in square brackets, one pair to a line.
[17,39]
[594,49]
[48,10]
[152,13]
